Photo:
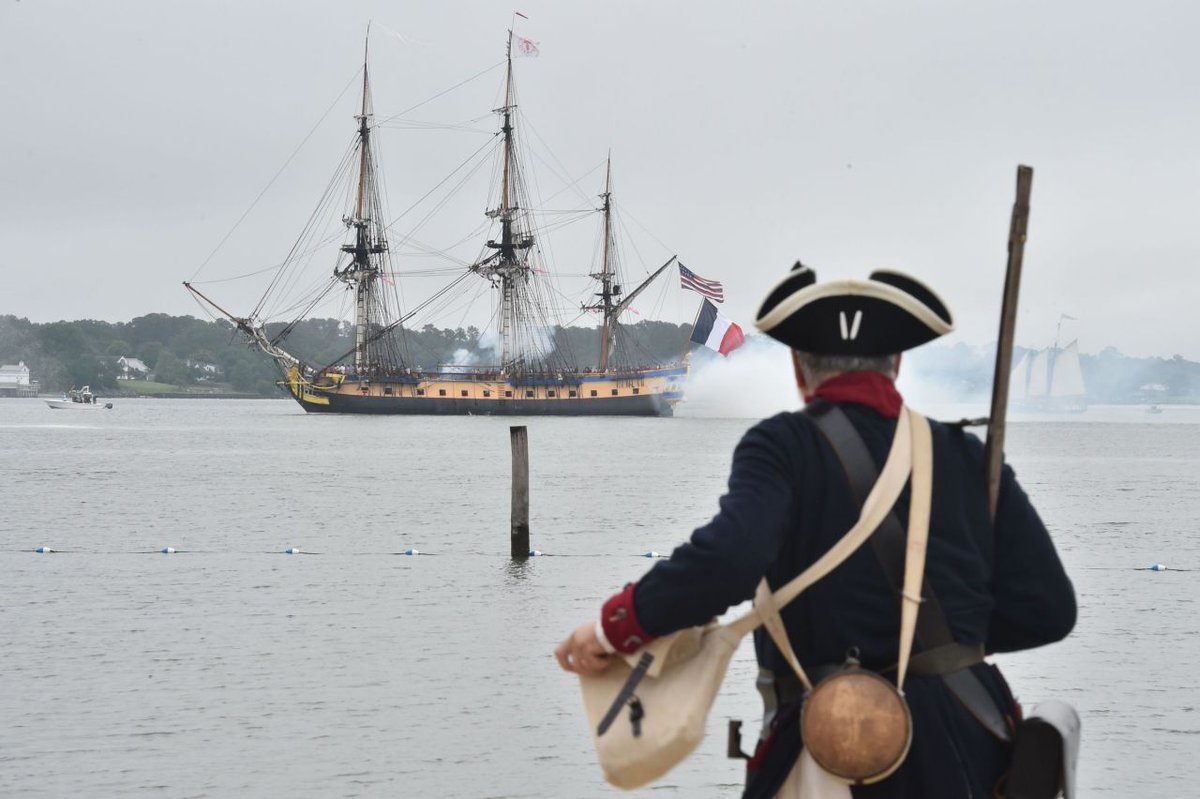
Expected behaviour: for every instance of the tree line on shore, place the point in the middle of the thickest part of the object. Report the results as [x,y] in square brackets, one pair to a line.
[963,372]
[190,353]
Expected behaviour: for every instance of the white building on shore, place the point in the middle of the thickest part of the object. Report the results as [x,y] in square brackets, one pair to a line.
[16,382]
[132,368]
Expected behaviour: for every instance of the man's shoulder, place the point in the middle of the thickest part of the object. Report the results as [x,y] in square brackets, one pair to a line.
[786,430]
[956,434]
[783,423]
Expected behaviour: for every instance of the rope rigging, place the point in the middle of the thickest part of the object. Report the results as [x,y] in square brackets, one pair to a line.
[515,256]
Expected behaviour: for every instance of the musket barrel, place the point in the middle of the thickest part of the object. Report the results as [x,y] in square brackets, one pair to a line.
[994,450]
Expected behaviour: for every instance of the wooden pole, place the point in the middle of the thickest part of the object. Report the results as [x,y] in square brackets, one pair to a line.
[520,491]
[994,449]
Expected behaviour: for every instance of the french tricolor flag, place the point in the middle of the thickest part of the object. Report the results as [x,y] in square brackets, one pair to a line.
[715,331]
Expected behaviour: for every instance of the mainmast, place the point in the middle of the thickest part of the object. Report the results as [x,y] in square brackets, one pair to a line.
[507,264]
[362,272]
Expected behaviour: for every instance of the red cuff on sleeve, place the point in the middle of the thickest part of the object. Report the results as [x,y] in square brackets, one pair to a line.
[620,622]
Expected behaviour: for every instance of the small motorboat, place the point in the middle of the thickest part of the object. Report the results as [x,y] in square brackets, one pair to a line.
[1154,409]
[81,398]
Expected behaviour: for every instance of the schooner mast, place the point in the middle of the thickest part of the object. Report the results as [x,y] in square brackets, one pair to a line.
[363,272]
[508,265]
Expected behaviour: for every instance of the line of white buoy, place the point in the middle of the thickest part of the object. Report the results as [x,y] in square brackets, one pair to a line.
[45,550]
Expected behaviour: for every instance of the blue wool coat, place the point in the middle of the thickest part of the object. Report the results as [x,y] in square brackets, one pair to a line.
[1001,584]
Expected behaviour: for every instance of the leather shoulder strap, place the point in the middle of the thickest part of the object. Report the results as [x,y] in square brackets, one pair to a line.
[889,544]
[879,502]
[889,541]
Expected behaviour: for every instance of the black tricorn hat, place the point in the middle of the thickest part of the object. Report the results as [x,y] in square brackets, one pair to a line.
[884,314]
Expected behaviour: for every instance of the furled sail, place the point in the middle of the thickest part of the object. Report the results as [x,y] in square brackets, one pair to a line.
[531,365]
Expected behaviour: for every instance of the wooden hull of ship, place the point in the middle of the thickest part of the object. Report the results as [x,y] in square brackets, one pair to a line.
[644,393]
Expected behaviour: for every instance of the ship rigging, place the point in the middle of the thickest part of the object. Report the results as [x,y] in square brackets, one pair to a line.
[534,372]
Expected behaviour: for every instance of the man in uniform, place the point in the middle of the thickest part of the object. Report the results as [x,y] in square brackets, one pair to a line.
[990,586]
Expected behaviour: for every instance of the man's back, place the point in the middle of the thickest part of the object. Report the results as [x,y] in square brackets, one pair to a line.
[999,585]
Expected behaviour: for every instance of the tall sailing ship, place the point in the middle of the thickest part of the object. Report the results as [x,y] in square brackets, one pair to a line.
[530,375]
[1049,380]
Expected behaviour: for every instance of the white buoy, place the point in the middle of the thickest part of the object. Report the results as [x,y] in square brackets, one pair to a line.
[412,552]
[533,553]
[1158,567]
[292,551]
[651,554]
[168,550]
[43,550]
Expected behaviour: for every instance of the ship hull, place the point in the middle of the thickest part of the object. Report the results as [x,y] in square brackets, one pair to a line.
[439,406]
[645,393]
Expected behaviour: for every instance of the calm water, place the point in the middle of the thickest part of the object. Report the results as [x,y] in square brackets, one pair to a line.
[232,669]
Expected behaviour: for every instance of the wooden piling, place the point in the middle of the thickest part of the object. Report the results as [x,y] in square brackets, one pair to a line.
[519,436]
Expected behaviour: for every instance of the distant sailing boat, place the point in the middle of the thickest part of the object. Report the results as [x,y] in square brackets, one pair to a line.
[1050,380]
[531,374]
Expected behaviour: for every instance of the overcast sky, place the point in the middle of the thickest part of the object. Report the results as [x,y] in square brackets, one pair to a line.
[854,135]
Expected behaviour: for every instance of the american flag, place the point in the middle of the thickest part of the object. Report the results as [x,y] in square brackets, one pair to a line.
[708,288]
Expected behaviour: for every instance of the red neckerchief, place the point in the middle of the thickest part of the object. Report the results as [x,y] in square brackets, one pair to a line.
[872,389]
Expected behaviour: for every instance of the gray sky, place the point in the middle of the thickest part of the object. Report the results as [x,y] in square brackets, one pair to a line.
[854,135]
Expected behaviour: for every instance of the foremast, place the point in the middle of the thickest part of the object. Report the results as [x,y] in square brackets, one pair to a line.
[367,248]
[369,244]
[508,266]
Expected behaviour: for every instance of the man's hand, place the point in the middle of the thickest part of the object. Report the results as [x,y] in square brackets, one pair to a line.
[582,652]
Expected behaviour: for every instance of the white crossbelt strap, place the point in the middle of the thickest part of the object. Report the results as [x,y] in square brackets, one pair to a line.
[920,505]
[912,451]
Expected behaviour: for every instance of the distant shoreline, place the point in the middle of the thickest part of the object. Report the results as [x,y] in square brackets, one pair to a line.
[165,395]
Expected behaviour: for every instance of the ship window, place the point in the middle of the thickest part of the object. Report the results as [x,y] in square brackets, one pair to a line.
[387,390]
[614,392]
[635,391]
[593,392]
[487,393]
[464,393]
[508,393]
[572,394]
[420,392]
[549,393]
[441,392]
[529,392]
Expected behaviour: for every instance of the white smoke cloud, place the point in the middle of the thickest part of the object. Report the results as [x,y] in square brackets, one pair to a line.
[754,382]
[489,342]
[486,352]
[464,357]
[757,381]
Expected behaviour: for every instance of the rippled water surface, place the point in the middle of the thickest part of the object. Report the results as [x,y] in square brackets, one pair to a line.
[233,669]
